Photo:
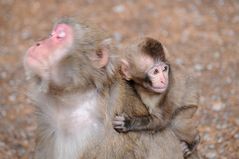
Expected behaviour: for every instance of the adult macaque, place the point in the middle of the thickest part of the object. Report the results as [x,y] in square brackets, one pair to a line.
[171,100]
[77,92]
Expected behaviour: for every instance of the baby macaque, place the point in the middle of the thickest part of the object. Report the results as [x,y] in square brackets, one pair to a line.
[170,99]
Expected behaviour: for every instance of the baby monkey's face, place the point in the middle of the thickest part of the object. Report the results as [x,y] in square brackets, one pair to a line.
[157,77]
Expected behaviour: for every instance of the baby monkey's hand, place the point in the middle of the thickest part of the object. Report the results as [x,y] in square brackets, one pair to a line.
[121,123]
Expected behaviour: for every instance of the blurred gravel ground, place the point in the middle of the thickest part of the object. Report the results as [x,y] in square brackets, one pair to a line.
[202,35]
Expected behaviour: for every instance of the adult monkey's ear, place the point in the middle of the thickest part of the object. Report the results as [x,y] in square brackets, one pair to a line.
[101,56]
[125,69]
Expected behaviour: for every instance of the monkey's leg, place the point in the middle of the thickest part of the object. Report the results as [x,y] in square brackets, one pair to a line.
[190,150]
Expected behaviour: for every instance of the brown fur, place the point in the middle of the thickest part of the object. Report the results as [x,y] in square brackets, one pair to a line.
[75,118]
[174,108]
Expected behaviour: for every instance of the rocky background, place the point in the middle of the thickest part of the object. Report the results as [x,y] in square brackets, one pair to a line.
[202,35]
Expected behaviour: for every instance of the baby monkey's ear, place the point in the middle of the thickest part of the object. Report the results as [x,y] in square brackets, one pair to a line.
[125,69]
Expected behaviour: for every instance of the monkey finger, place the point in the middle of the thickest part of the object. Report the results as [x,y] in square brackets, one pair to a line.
[119,117]
[186,153]
[118,130]
[118,123]
[121,129]
[124,115]
[185,149]
[184,146]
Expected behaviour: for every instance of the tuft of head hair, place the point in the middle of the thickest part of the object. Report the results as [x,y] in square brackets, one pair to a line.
[153,48]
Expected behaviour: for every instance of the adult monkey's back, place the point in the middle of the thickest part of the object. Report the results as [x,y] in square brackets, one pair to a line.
[77,92]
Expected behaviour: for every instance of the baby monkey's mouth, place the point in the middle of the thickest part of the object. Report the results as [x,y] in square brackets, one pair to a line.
[157,89]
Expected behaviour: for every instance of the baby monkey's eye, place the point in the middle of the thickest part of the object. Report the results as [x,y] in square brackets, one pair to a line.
[165,68]
[156,71]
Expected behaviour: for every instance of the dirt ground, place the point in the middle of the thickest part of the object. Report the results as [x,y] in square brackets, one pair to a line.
[202,35]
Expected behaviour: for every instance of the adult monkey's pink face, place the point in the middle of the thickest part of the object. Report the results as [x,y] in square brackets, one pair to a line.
[48,52]
[72,51]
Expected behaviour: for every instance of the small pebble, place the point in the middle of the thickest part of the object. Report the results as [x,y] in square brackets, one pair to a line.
[218,106]
[221,126]
[220,139]
[207,137]
[211,155]
[216,55]
[211,146]
[12,98]
[209,66]
[236,136]
[119,9]
[198,67]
